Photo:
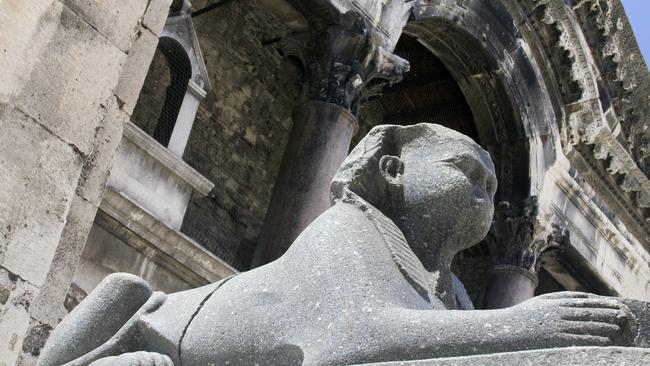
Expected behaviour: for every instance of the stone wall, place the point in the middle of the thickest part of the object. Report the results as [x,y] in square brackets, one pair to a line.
[242,126]
[72,71]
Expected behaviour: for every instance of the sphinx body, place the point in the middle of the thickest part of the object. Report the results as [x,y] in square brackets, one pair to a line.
[368,281]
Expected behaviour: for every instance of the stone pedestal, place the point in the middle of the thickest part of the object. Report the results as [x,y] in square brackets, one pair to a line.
[508,286]
[318,144]
[585,356]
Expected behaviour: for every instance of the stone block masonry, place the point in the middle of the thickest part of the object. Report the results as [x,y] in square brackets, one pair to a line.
[62,64]
[241,128]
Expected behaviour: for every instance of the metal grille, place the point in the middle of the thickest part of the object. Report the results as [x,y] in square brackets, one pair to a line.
[241,127]
[428,93]
[163,91]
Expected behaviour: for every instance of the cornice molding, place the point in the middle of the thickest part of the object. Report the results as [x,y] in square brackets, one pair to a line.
[580,52]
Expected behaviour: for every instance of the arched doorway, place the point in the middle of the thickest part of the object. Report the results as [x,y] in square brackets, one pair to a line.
[472,74]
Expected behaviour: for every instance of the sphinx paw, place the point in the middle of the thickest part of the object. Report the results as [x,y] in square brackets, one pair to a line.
[135,359]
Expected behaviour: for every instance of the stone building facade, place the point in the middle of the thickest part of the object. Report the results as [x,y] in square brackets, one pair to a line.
[184,142]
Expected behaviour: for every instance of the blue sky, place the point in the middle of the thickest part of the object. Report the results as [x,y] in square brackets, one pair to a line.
[638,11]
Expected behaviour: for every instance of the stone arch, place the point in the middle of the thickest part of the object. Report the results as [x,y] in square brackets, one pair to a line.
[181,73]
[514,114]
[516,120]
[163,90]
[168,102]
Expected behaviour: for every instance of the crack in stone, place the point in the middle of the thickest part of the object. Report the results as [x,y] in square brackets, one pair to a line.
[180,340]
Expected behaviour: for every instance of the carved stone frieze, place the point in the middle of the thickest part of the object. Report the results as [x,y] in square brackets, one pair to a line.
[622,70]
[562,44]
[604,85]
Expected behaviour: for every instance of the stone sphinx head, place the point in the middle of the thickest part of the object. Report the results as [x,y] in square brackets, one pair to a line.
[436,184]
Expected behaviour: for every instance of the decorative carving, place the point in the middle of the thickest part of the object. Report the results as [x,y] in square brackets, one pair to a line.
[554,243]
[517,237]
[621,68]
[351,57]
[555,22]
[610,98]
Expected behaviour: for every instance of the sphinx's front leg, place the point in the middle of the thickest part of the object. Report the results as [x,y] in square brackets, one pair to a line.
[106,310]
[557,320]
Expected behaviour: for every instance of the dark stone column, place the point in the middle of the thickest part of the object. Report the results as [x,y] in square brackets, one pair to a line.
[318,143]
[518,244]
[350,58]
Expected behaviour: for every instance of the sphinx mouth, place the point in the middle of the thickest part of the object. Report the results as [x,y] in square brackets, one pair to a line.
[481,195]
[483,203]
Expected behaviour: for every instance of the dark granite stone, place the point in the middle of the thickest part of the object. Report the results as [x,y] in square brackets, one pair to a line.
[368,281]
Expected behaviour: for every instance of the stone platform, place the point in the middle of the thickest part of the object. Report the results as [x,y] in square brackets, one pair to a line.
[583,356]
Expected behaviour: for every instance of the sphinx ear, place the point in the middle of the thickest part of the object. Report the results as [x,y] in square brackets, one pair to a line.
[391,168]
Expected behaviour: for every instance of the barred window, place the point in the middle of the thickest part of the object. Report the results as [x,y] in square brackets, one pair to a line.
[163,91]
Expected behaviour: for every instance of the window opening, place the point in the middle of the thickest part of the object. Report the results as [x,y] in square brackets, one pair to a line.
[163,91]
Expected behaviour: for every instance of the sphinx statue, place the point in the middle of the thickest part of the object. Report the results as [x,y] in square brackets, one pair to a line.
[368,281]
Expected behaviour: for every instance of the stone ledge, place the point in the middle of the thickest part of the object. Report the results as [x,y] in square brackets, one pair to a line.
[164,245]
[585,356]
[199,183]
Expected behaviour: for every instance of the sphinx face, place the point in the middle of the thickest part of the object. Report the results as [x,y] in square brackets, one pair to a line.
[448,193]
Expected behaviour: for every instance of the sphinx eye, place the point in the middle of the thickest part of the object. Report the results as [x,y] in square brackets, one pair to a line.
[491,184]
[473,170]
[489,187]
[462,165]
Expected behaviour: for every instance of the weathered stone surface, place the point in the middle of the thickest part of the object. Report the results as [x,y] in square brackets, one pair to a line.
[116,20]
[86,64]
[16,296]
[38,187]
[26,29]
[368,281]
[97,167]
[135,69]
[35,338]
[59,75]
[112,303]
[114,250]
[47,307]
[156,15]
[641,312]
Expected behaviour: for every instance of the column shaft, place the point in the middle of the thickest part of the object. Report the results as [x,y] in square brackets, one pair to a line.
[318,144]
[508,286]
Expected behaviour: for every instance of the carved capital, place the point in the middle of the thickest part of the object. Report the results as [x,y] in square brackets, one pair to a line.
[518,238]
[351,57]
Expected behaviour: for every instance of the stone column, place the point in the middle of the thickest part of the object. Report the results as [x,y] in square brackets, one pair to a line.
[518,243]
[350,59]
[318,143]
